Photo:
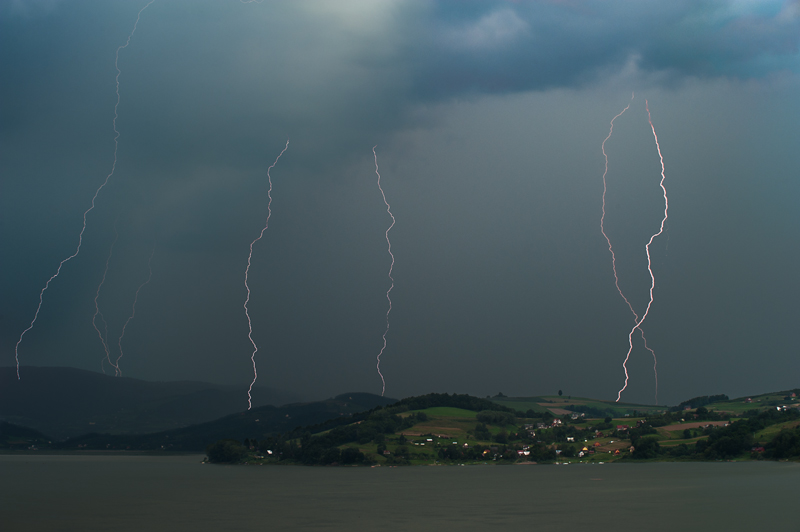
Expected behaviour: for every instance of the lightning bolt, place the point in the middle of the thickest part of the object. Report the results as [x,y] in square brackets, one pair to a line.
[603,216]
[104,338]
[246,273]
[649,265]
[133,310]
[391,266]
[97,192]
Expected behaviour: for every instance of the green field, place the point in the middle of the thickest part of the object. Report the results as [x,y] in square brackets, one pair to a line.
[770,432]
[547,402]
[449,412]
[759,402]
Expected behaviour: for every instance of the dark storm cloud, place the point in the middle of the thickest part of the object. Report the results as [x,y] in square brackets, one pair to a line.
[497,47]
[360,69]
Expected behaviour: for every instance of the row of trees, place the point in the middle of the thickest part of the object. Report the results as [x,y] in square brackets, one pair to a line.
[454,453]
[733,441]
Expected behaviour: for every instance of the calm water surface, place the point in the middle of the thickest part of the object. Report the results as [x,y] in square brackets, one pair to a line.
[154,493]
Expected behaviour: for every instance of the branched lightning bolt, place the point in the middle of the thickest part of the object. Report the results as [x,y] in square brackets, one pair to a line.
[611,249]
[649,263]
[391,266]
[246,273]
[104,338]
[113,167]
[603,216]
[133,310]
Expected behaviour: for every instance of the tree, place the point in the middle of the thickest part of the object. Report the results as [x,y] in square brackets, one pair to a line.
[331,455]
[225,452]
[494,417]
[560,393]
[482,432]
[646,448]
[785,444]
[352,455]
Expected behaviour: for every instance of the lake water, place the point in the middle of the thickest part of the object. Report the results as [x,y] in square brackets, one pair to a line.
[154,493]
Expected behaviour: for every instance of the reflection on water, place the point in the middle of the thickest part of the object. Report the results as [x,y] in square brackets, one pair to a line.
[69,492]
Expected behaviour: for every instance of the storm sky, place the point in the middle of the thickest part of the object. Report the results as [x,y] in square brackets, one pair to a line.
[488,119]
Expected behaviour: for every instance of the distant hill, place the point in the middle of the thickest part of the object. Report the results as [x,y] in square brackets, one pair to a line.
[259,423]
[16,437]
[559,405]
[65,402]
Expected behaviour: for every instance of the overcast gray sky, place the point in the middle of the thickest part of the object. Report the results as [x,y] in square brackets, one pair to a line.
[488,119]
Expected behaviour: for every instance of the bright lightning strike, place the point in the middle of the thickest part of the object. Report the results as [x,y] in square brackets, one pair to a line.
[247,272]
[133,310]
[389,210]
[611,249]
[97,192]
[649,265]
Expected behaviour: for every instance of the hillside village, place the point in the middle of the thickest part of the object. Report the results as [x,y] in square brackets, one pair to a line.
[440,429]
